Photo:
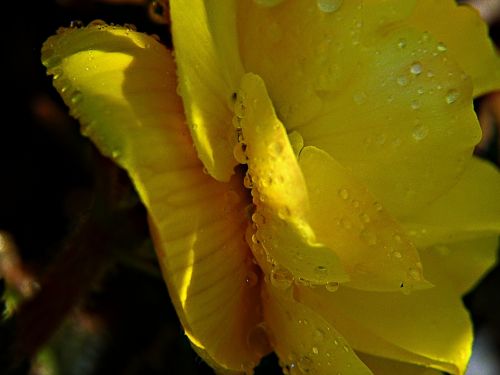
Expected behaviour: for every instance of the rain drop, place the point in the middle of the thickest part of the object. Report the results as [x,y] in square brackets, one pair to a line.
[402,80]
[239,153]
[329,6]
[281,278]
[343,193]
[76,97]
[332,286]
[441,47]
[416,69]
[251,279]
[305,364]
[369,237]
[415,104]
[158,11]
[452,96]
[420,132]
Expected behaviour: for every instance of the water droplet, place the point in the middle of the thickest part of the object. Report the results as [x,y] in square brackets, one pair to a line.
[397,254]
[76,24]
[305,364]
[239,153]
[420,132]
[281,278]
[76,97]
[402,80]
[315,350]
[415,104]
[251,279]
[420,91]
[343,193]
[452,96]
[416,68]
[115,154]
[275,149]
[97,23]
[346,348]
[258,219]
[369,237]
[355,203]
[247,181]
[332,286]
[397,237]
[329,6]
[158,11]
[402,43]
[364,217]
[378,206]
[414,274]
[321,271]
[441,47]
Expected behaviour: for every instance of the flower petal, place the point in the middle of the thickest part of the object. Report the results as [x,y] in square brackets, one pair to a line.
[279,191]
[303,340]
[464,263]
[427,327]
[383,366]
[400,117]
[465,35]
[471,209]
[208,75]
[371,245]
[121,86]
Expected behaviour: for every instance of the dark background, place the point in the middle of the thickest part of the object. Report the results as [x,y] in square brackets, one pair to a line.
[74,225]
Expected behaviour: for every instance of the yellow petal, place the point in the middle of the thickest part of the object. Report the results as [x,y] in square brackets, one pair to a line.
[385,103]
[279,191]
[121,86]
[464,263]
[465,35]
[471,209]
[371,245]
[303,340]
[429,328]
[383,366]
[209,69]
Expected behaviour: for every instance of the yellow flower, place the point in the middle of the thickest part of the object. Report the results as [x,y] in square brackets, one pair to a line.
[331,141]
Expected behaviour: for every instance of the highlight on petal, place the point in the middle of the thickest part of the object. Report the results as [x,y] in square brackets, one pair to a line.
[471,209]
[121,84]
[400,118]
[463,263]
[279,191]
[373,248]
[429,328]
[383,366]
[209,69]
[304,341]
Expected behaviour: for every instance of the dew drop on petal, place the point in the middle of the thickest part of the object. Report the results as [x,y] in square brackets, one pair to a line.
[281,278]
[251,279]
[402,80]
[416,68]
[332,286]
[420,132]
[329,6]
[441,47]
[452,96]
[343,193]
[305,364]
